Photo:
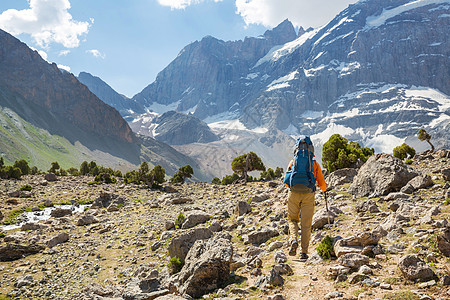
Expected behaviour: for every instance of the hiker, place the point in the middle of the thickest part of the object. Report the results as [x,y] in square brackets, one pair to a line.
[300,178]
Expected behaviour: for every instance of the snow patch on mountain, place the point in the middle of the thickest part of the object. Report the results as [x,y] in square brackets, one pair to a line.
[279,51]
[235,125]
[376,21]
[163,108]
[282,82]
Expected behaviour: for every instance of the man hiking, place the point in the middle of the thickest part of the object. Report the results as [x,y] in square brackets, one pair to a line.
[301,176]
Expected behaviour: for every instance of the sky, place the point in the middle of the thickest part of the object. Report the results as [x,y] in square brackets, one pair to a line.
[128,42]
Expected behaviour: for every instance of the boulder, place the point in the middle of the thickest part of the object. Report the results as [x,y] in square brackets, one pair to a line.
[414,268]
[181,200]
[420,182]
[12,251]
[207,267]
[355,244]
[50,177]
[380,175]
[446,174]
[144,289]
[260,236]
[274,278]
[320,217]
[109,201]
[33,226]
[242,207]
[60,212]
[23,281]
[195,217]
[58,239]
[443,242]
[353,260]
[87,219]
[340,177]
[367,206]
[179,246]
[170,189]
[260,197]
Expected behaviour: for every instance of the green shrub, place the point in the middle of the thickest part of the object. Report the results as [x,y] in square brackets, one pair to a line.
[409,161]
[229,179]
[105,178]
[401,295]
[404,151]
[174,265]
[26,187]
[325,248]
[179,220]
[23,166]
[215,180]
[339,153]
[2,235]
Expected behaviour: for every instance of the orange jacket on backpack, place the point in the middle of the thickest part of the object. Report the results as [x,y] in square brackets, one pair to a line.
[317,174]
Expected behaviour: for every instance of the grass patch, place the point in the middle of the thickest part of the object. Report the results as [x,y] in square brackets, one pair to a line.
[325,248]
[341,285]
[85,202]
[2,235]
[64,202]
[401,295]
[26,187]
[174,265]
[392,280]
[11,218]
[179,221]
[359,291]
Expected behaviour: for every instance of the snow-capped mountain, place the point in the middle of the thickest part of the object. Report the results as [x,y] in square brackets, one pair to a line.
[376,73]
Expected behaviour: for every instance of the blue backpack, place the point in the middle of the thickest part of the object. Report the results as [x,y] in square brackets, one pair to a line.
[302,165]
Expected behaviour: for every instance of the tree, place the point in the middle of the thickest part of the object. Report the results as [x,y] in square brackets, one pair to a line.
[268,175]
[404,151]
[2,163]
[84,168]
[247,163]
[23,166]
[73,171]
[338,153]
[182,173]
[279,172]
[215,180]
[425,136]
[159,174]
[54,168]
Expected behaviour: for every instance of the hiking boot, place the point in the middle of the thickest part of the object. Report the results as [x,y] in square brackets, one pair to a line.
[303,256]
[293,250]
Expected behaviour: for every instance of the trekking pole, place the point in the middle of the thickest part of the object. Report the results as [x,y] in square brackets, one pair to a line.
[326,205]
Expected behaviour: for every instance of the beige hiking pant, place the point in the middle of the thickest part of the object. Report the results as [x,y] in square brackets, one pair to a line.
[304,203]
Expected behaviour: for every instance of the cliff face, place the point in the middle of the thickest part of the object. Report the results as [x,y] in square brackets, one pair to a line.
[26,74]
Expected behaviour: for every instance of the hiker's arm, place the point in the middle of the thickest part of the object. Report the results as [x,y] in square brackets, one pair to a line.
[319,176]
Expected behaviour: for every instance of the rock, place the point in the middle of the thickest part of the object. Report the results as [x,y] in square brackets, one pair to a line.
[33,226]
[260,236]
[207,267]
[340,177]
[61,212]
[446,174]
[50,177]
[335,294]
[420,182]
[179,246]
[169,225]
[396,196]
[280,257]
[353,260]
[272,279]
[11,251]
[215,226]
[366,270]
[367,206]
[242,207]
[48,203]
[195,217]
[283,269]
[443,242]
[23,281]
[276,297]
[385,286]
[156,245]
[380,175]
[445,280]
[170,189]
[355,278]
[407,189]
[260,197]
[181,200]
[320,218]
[337,270]
[58,239]
[109,200]
[87,219]
[1,215]
[355,244]
[275,245]
[144,289]
[413,268]
[427,284]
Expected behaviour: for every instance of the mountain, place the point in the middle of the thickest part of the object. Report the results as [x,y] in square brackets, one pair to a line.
[47,114]
[108,95]
[376,73]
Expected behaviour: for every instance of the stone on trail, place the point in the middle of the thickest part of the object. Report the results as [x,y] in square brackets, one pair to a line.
[179,246]
[353,260]
[195,217]
[414,268]
[242,207]
[207,267]
[58,239]
[260,236]
[380,175]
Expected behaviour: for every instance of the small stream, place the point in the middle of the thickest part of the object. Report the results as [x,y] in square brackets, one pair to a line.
[44,214]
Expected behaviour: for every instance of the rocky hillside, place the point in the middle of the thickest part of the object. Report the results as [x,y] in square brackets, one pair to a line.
[108,95]
[394,244]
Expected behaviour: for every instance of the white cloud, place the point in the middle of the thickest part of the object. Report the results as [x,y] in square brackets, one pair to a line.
[47,21]
[182,4]
[304,13]
[96,53]
[42,53]
[63,67]
[64,52]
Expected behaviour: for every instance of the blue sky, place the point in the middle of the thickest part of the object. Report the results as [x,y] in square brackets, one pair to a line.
[126,43]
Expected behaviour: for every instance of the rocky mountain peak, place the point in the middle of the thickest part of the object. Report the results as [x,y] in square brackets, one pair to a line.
[283,32]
